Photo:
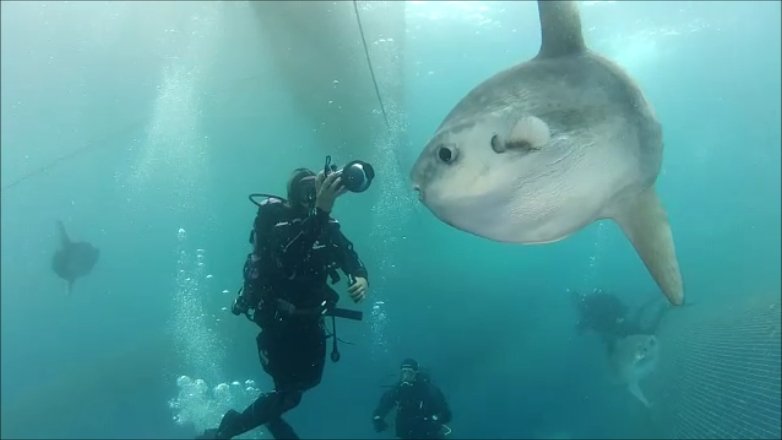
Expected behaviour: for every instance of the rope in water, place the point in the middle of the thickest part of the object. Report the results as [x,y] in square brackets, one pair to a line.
[369,63]
[95,144]
[99,143]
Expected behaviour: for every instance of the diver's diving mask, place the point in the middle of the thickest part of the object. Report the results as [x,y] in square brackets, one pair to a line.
[304,190]
[407,376]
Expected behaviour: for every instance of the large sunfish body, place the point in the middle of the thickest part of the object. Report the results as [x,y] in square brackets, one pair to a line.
[543,149]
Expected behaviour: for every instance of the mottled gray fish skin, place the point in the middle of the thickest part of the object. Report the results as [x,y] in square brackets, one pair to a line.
[597,156]
[74,259]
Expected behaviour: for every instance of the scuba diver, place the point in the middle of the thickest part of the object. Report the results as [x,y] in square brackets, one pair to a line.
[421,409]
[605,314]
[296,246]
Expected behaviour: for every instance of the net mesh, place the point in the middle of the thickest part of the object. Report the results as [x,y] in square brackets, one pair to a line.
[721,368]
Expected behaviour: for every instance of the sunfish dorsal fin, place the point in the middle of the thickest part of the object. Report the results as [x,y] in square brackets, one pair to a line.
[560,28]
[63,235]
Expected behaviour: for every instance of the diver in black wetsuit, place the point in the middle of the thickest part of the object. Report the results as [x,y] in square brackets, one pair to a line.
[296,246]
[605,314]
[421,409]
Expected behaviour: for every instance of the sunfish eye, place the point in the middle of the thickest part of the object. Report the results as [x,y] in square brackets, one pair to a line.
[446,154]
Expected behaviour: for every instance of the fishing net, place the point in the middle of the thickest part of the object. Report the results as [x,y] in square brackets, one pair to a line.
[721,370]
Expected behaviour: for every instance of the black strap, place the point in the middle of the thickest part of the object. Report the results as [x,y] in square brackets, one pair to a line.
[334,351]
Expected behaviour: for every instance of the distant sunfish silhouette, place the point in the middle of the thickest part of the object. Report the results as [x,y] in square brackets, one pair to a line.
[74,259]
[635,357]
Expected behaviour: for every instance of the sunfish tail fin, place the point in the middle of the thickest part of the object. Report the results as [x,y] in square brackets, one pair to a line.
[645,222]
[560,28]
[635,390]
[63,235]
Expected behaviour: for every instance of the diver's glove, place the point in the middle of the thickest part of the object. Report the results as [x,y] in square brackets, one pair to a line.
[380,424]
[239,306]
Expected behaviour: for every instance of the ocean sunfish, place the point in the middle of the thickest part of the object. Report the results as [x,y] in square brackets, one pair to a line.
[545,148]
[74,259]
[633,358]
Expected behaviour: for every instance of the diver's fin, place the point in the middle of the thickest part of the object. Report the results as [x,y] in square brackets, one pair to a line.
[560,29]
[635,390]
[63,235]
[645,222]
[209,434]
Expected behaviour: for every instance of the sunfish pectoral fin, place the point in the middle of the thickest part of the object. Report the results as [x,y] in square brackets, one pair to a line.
[635,390]
[528,133]
[560,28]
[645,222]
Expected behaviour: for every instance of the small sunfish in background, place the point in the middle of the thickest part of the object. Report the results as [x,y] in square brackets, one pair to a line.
[633,358]
[74,259]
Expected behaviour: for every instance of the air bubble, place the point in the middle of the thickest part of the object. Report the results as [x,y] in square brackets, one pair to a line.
[184,381]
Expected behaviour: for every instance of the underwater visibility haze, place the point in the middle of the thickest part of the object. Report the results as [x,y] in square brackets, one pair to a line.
[132,134]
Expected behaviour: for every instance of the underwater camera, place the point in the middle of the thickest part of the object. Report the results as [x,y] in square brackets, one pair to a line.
[356,175]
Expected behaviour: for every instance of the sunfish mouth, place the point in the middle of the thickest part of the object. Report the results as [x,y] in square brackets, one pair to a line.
[466,211]
[419,192]
[421,195]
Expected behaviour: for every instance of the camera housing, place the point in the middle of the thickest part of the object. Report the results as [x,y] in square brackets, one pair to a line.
[357,175]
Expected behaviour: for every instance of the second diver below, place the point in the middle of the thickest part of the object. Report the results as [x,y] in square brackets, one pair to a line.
[421,409]
[606,314]
[296,246]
